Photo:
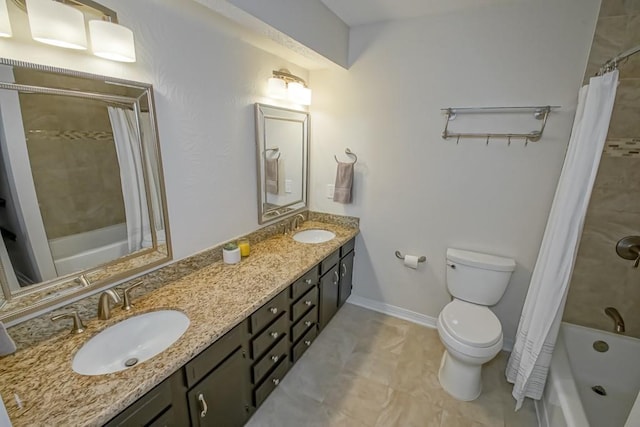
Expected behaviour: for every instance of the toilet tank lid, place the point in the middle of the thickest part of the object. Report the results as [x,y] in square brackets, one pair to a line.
[480,260]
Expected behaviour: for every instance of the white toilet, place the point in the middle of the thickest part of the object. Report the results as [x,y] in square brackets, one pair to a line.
[470,332]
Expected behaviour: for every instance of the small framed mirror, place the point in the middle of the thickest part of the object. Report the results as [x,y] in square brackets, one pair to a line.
[282,153]
[82,200]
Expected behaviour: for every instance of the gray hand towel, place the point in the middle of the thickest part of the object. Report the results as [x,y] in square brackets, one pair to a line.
[271,175]
[7,346]
[344,182]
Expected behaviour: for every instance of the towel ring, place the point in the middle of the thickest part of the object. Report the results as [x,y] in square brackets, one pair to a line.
[276,149]
[348,153]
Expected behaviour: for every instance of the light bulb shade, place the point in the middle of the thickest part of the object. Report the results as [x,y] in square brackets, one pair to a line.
[56,24]
[112,41]
[277,88]
[5,24]
[299,94]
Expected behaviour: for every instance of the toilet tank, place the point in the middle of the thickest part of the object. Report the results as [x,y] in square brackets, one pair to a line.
[477,277]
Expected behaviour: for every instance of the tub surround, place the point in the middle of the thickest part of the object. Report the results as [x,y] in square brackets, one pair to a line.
[216,297]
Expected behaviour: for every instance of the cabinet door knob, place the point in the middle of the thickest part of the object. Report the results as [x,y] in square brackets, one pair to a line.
[275,358]
[308,303]
[307,342]
[335,273]
[276,381]
[274,310]
[344,269]
[307,281]
[308,323]
[203,405]
[274,335]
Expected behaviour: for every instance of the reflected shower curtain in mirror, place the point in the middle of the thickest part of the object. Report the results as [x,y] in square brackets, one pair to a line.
[126,137]
[542,312]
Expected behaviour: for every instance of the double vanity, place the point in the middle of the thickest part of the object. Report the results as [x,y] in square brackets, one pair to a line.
[248,324]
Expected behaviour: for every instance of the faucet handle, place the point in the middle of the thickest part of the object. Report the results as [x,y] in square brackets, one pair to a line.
[78,326]
[126,305]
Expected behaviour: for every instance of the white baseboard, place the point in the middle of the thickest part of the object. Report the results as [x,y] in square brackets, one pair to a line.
[403,313]
[392,310]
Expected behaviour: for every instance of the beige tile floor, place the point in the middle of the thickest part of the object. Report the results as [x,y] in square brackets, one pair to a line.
[369,369]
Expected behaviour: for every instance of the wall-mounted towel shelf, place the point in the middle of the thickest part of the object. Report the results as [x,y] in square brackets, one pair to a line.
[539,113]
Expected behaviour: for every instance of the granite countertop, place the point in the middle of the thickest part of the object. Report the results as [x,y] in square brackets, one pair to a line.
[216,298]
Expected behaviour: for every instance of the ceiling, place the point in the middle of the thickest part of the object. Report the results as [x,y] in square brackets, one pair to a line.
[358,12]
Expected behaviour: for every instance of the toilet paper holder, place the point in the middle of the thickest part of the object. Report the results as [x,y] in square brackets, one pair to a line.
[400,256]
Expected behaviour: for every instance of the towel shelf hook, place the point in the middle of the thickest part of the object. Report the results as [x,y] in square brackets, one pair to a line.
[348,152]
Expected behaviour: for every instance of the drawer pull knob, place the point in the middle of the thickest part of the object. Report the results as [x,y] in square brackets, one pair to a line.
[308,303]
[344,269]
[275,359]
[308,323]
[274,335]
[335,273]
[273,310]
[203,405]
[276,381]
[308,281]
[307,342]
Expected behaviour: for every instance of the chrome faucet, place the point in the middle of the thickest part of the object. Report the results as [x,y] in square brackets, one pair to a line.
[104,308]
[295,223]
[618,323]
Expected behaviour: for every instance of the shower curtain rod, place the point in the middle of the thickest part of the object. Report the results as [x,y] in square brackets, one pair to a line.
[612,64]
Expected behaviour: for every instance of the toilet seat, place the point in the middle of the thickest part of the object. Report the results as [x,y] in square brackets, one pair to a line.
[470,324]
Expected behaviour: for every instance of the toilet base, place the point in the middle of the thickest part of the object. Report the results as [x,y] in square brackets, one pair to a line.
[461,380]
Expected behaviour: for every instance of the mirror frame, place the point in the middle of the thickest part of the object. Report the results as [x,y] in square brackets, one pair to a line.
[48,295]
[262,113]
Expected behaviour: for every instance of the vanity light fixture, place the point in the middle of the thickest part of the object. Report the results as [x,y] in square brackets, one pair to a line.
[283,84]
[112,41]
[5,24]
[62,23]
[56,24]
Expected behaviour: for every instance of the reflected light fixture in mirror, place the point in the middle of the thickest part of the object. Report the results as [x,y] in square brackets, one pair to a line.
[5,24]
[283,84]
[56,24]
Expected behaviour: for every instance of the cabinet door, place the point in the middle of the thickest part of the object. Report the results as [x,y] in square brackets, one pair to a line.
[222,398]
[346,277]
[329,295]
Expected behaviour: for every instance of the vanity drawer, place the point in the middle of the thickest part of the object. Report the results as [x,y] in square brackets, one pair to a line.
[347,247]
[310,320]
[271,381]
[206,361]
[310,299]
[329,262]
[269,337]
[265,314]
[303,284]
[270,359]
[303,345]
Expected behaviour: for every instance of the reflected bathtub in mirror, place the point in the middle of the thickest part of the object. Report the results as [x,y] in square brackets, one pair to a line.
[81,180]
[282,144]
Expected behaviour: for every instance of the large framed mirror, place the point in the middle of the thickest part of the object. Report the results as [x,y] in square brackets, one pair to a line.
[282,150]
[82,200]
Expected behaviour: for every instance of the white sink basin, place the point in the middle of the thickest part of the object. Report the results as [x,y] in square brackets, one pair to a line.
[313,236]
[130,342]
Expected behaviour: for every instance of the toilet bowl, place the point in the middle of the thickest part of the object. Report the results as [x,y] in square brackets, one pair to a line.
[472,336]
[468,329]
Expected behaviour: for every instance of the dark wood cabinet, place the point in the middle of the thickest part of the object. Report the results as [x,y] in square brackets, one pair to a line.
[227,382]
[329,295]
[346,277]
[222,397]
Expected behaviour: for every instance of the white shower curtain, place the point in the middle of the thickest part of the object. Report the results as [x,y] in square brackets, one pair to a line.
[126,137]
[542,312]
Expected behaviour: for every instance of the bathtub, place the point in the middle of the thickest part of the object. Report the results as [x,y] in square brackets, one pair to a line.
[568,399]
[89,249]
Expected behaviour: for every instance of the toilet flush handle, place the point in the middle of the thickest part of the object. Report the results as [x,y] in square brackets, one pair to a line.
[453,266]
